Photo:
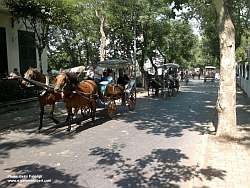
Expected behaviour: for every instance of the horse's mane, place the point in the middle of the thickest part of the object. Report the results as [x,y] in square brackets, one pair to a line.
[73,78]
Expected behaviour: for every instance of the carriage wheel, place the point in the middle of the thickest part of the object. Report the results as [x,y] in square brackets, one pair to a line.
[112,108]
[131,100]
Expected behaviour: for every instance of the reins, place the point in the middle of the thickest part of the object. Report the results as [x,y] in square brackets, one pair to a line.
[40,84]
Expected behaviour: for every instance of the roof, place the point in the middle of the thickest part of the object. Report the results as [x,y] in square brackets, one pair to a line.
[114,63]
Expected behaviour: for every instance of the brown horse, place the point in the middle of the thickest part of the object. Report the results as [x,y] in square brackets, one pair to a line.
[77,95]
[33,74]
[114,91]
[47,97]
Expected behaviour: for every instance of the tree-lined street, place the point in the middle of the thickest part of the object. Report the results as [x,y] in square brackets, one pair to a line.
[160,144]
[197,138]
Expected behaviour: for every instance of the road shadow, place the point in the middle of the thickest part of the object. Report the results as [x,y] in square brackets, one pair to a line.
[6,147]
[192,109]
[49,136]
[160,168]
[26,118]
[51,177]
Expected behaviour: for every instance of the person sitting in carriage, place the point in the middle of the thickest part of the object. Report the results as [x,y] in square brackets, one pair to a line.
[107,77]
[105,80]
[123,79]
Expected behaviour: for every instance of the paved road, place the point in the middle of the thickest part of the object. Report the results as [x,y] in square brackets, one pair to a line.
[160,144]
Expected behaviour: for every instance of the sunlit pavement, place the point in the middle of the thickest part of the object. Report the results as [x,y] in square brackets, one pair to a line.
[231,156]
[160,144]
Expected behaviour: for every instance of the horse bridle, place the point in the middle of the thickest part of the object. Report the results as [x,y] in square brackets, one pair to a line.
[67,84]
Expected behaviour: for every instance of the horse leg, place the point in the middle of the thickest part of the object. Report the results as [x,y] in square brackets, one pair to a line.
[52,114]
[41,116]
[69,118]
[76,109]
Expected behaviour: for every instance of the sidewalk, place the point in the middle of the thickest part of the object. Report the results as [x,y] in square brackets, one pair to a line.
[233,157]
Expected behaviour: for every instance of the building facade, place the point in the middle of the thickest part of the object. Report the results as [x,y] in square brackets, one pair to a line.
[17,45]
[243,73]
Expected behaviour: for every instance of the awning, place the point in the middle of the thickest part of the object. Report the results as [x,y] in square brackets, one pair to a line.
[114,63]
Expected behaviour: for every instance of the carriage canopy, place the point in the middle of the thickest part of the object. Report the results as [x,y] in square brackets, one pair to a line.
[114,63]
[168,65]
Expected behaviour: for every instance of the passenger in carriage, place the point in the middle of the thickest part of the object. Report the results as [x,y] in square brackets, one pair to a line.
[123,79]
[110,75]
[107,77]
[105,80]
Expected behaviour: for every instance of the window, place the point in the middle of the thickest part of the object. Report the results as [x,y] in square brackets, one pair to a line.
[27,50]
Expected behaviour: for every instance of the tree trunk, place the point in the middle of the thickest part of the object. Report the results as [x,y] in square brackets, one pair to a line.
[226,102]
[87,53]
[40,51]
[153,65]
[103,36]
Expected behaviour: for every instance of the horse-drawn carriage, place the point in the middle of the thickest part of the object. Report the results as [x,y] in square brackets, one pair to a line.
[84,94]
[165,84]
[117,85]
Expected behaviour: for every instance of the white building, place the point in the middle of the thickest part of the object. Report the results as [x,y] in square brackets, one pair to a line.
[17,46]
[243,72]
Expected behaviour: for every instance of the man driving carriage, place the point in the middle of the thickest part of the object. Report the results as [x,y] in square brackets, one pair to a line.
[123,78]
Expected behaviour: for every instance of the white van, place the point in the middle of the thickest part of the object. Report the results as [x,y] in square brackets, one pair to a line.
[209,73]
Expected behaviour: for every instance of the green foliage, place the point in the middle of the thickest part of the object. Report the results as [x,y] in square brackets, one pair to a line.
[204,11]
[73,35]
[240,54]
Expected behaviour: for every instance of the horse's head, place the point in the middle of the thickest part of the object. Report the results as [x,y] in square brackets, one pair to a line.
[61,81]
[65,82]
[33,74]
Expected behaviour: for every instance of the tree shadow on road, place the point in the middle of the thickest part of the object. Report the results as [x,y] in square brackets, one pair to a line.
[161,168]
[47,137]
[51,177]
[6,147]
[192,109]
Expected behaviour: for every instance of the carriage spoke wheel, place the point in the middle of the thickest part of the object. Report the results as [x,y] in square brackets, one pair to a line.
[112,108]
[131,100]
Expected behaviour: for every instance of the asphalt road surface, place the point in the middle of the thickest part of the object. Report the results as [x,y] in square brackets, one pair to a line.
[160,144]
